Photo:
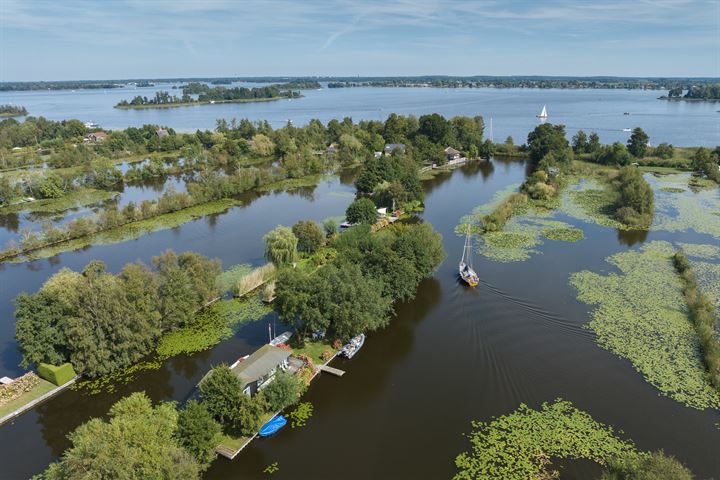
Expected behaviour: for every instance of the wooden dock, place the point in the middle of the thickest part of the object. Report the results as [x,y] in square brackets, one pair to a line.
[334,371]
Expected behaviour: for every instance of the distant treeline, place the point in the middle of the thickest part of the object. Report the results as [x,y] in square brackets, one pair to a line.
[708,91]
[515,82]
[656,83]
[208,94]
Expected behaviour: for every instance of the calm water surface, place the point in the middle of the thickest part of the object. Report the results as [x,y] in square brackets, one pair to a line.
[450,356]
[513,110]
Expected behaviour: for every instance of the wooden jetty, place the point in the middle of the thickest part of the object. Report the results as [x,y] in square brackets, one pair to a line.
[332,370]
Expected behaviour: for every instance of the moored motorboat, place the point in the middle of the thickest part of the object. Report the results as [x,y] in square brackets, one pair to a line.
[351,348]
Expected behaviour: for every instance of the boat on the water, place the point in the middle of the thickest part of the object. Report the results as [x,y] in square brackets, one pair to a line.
[465,268]
[272,426]
[351,348]
[627,129]
[543,114]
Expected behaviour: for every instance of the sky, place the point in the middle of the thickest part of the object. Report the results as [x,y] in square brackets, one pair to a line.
[120,39]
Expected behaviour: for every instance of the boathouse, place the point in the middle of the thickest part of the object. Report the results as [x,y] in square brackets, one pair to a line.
[259,368]
[452,154]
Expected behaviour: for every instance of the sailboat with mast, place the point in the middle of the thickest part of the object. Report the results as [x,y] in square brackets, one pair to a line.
[465,268]
[543,115]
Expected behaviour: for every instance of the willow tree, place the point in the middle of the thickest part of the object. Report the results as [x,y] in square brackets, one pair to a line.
[281,246]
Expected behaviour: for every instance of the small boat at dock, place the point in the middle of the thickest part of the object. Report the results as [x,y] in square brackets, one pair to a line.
[465,268]
[353,346]
[272,426]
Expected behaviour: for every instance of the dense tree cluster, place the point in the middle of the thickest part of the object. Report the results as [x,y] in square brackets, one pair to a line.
[139,441]
[708,163]
[12,110]
[207,94]
[636,201]
[710,91]
[651,466]
[637,144]
[100,322]
[547,139]
[354,291]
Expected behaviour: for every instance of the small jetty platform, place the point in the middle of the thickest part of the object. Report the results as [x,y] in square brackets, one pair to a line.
[335,371]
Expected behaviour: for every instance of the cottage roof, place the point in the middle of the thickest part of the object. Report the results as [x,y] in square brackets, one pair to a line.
[161,132]
[389,147]
[451,151]
[260,363]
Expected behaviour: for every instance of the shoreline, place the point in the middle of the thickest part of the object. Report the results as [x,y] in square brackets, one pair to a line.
[192,104]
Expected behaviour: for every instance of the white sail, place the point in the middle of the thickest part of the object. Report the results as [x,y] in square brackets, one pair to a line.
[543,114]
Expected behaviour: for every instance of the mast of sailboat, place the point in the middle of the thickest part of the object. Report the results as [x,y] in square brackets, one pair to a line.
[467,249]
[491,131]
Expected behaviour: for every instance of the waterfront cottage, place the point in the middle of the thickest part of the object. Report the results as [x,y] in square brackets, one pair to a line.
[95,137]
[259,369]
[161,133]
[391,147]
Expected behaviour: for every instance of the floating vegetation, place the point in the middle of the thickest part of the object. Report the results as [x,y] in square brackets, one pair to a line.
[566,234]
[672,190]
[478,212]
[641,315]
[708,278]
[272,468]
[301,414]
[676,212]
[212,325]
[708,252]
[591,202]
[109,383]
[520,445]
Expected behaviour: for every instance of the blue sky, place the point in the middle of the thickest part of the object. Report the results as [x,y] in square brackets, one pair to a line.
[83,39]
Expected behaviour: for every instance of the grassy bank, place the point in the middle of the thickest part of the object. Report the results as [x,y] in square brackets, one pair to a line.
[129,231]
[42,387]
[81,197]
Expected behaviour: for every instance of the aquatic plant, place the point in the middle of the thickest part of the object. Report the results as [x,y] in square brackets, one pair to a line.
[680,211]
[566,234]
[272,468]
[253,279]
[301,414]
[211,326]
[709,252]
[641,316]
[520,445]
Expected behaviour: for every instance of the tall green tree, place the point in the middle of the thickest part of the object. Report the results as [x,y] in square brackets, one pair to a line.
[653,466]
[137,442]
[281,246]
[309,234]
[361,211]
[593,143]
[197,432]
[638,142]
[220,393]
[283,391]
[546,138]
[580,142]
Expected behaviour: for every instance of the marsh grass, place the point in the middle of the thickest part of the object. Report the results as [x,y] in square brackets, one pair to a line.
[703,315]
[254,279]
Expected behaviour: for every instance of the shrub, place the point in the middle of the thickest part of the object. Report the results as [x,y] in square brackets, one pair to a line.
[361,210]
[59,375]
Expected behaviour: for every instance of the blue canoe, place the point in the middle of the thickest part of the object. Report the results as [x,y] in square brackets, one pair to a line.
[275,424]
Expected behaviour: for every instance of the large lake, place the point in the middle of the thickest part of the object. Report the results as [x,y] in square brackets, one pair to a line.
[513,110]
[450,356]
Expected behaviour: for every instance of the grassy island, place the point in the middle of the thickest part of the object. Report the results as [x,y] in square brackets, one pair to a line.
[12,111]
[207,95]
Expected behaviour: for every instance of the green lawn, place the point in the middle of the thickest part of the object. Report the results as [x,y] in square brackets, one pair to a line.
[314,350]
[40,389]
[232,443]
